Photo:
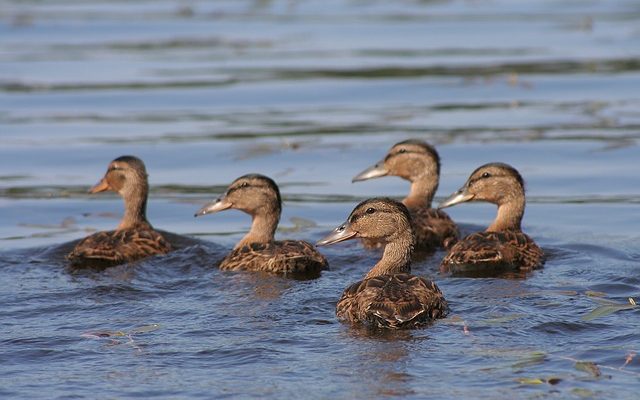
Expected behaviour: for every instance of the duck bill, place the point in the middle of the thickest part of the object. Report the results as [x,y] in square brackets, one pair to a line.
[458,197]
[375,171]
[101,186]
[214,207]
[340,234]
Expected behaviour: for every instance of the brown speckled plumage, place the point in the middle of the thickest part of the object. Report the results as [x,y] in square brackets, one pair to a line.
[119,246]
[503,246]
[259,196]
[389,296]
[433,229]
[419,163]
[392,301]
[494,251]
[134,238]
[283,257]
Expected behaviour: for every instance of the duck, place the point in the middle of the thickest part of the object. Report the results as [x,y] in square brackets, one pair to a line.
[134,238]
[418,162]
[503,245]
[389,296]
[259,196]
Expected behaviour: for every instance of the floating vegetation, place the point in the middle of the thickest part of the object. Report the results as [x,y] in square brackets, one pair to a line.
[608,307]
[116,338]
[588,367]
[539,381]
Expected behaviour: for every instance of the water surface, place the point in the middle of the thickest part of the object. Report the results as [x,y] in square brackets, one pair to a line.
[310,93]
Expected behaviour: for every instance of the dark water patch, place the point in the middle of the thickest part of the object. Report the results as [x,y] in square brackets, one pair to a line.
[567,328]
[22,87]
[621,65]
[281,117]
[169,44]
[240,75]
[603,251]
[617,289]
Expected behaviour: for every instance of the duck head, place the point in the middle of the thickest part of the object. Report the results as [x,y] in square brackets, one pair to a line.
[496,183]
[124,175]
[252,193]
[379,218]
[413,160]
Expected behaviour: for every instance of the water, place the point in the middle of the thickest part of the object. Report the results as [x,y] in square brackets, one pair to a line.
[310,93]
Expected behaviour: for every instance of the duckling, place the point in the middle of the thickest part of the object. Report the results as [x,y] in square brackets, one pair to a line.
[259,196]
[419,163]
[388,296]
[503,245]
[134,238]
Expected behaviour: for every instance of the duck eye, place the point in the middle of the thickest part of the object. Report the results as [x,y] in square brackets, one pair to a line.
[370,210]
[402,151]
[486,175]
[244,184]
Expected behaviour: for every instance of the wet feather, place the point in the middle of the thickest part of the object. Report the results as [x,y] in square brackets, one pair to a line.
[119,246]
[497,250]
[392,301]
[282,257]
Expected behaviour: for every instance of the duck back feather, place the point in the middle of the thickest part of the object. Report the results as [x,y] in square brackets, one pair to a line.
[395,301]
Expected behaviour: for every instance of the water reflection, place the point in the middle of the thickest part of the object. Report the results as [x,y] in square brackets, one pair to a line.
[384,361]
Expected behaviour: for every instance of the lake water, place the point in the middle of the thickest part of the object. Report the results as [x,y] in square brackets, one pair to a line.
[310,93]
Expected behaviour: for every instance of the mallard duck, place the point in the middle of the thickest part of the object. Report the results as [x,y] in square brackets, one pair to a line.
[419,163]
[259,196]
[388,296]
[503,245]
[134,238]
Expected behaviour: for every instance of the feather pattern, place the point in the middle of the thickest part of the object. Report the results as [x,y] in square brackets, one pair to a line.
[282,257]
[119,246]
[433,228]
[494,250]
[392,301]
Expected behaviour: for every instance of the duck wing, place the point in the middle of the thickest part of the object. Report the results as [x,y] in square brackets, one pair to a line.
[392,301]
[281,257]
[494,250]
[117,247]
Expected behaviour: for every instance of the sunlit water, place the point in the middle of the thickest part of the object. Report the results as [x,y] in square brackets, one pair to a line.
[311,93]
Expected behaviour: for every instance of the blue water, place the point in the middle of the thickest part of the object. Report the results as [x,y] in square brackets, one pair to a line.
[310,93]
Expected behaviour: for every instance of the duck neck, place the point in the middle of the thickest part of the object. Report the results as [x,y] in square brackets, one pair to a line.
[396,257]
[422,191]
[263,229]
[509,216]
[135,207]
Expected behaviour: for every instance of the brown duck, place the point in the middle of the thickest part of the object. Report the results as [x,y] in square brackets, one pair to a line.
[388,296]
[259,196]
[503,246]
[419,163]
[134,238]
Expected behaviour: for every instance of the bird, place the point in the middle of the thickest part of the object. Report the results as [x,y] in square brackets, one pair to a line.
[503,245]
[419,163]
[134,238]
[259,196]
[389,296]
